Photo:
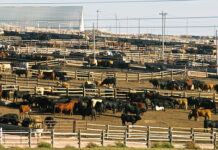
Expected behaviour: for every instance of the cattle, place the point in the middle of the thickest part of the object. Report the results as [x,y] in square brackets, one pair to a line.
[89,85]
[24,109]
[5,67]
[21,94]
[113,105]
[196,113]
[9,118]
[34,121]
[182,102]
[64,84]
[20,72]
[161,101]
[129,118]
[134,109]
[206,86]
[47,75]
[50,122]
[99,107]
[5,94]
[66,107]
[94,101]
[86,108]
[109,81]
[210,123]
[157,108]
[202,102]
[139,104]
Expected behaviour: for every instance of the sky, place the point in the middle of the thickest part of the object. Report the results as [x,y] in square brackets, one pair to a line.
[145,9]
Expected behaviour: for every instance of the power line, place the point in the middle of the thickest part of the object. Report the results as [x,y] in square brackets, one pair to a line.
[157,27]
[120,19]
[91,2]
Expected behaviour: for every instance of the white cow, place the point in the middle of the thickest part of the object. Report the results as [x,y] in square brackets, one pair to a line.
[5,67]
[94,101]
[157,108]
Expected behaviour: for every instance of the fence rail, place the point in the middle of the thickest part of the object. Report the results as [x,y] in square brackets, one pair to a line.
[102,134]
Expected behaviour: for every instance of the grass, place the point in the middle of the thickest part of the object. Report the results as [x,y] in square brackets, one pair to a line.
[162,145]
[191,145]
[44,145]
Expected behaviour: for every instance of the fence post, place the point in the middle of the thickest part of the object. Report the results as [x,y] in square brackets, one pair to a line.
[211,136]
[79,139]
[170,135]
[67,91]
[107,130]
[52,138]
[148,136]
[115,93]
[125,138]
[0,135]
[76,74]
[214,140]
[84,92]
[192,135]
[74,126]
[139,77]
[126,77]
[6,79]
[127,130]
[102,138]
[29,137]
[15,79]
[171,74]
[214,99]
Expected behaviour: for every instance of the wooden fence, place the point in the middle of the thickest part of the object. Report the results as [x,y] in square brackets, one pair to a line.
[98,76]
[102,135]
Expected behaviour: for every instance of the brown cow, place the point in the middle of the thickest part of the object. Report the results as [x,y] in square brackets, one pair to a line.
[66,106]
[200,112]
[207,86]
[24,109]
[138,104]
[182,102]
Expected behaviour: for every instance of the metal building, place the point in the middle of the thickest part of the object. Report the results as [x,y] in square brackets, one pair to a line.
[53,17]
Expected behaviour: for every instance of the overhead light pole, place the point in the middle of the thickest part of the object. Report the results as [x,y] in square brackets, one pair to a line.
[163,31]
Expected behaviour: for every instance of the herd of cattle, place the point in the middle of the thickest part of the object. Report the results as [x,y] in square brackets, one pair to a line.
[131,109]
[183,85]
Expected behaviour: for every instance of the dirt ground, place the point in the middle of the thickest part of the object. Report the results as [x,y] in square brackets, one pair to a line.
[172,117]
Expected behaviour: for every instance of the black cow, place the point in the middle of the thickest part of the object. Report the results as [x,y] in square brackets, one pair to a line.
[21,94]
[9,118]
[134,109]
[109,81]
[26,122]
[99,107]
[20,72]
[129,118]
[50,122]
[6,94]
[210,123]
[85,107]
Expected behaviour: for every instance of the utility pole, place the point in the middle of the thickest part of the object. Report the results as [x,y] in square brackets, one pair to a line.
[97,18]
[94,40]
[163,31]
[139,28]
[127,26]
[186,29]
[216,54]
[116,23]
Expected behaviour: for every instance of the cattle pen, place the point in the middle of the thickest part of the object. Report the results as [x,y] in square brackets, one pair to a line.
[103,135]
